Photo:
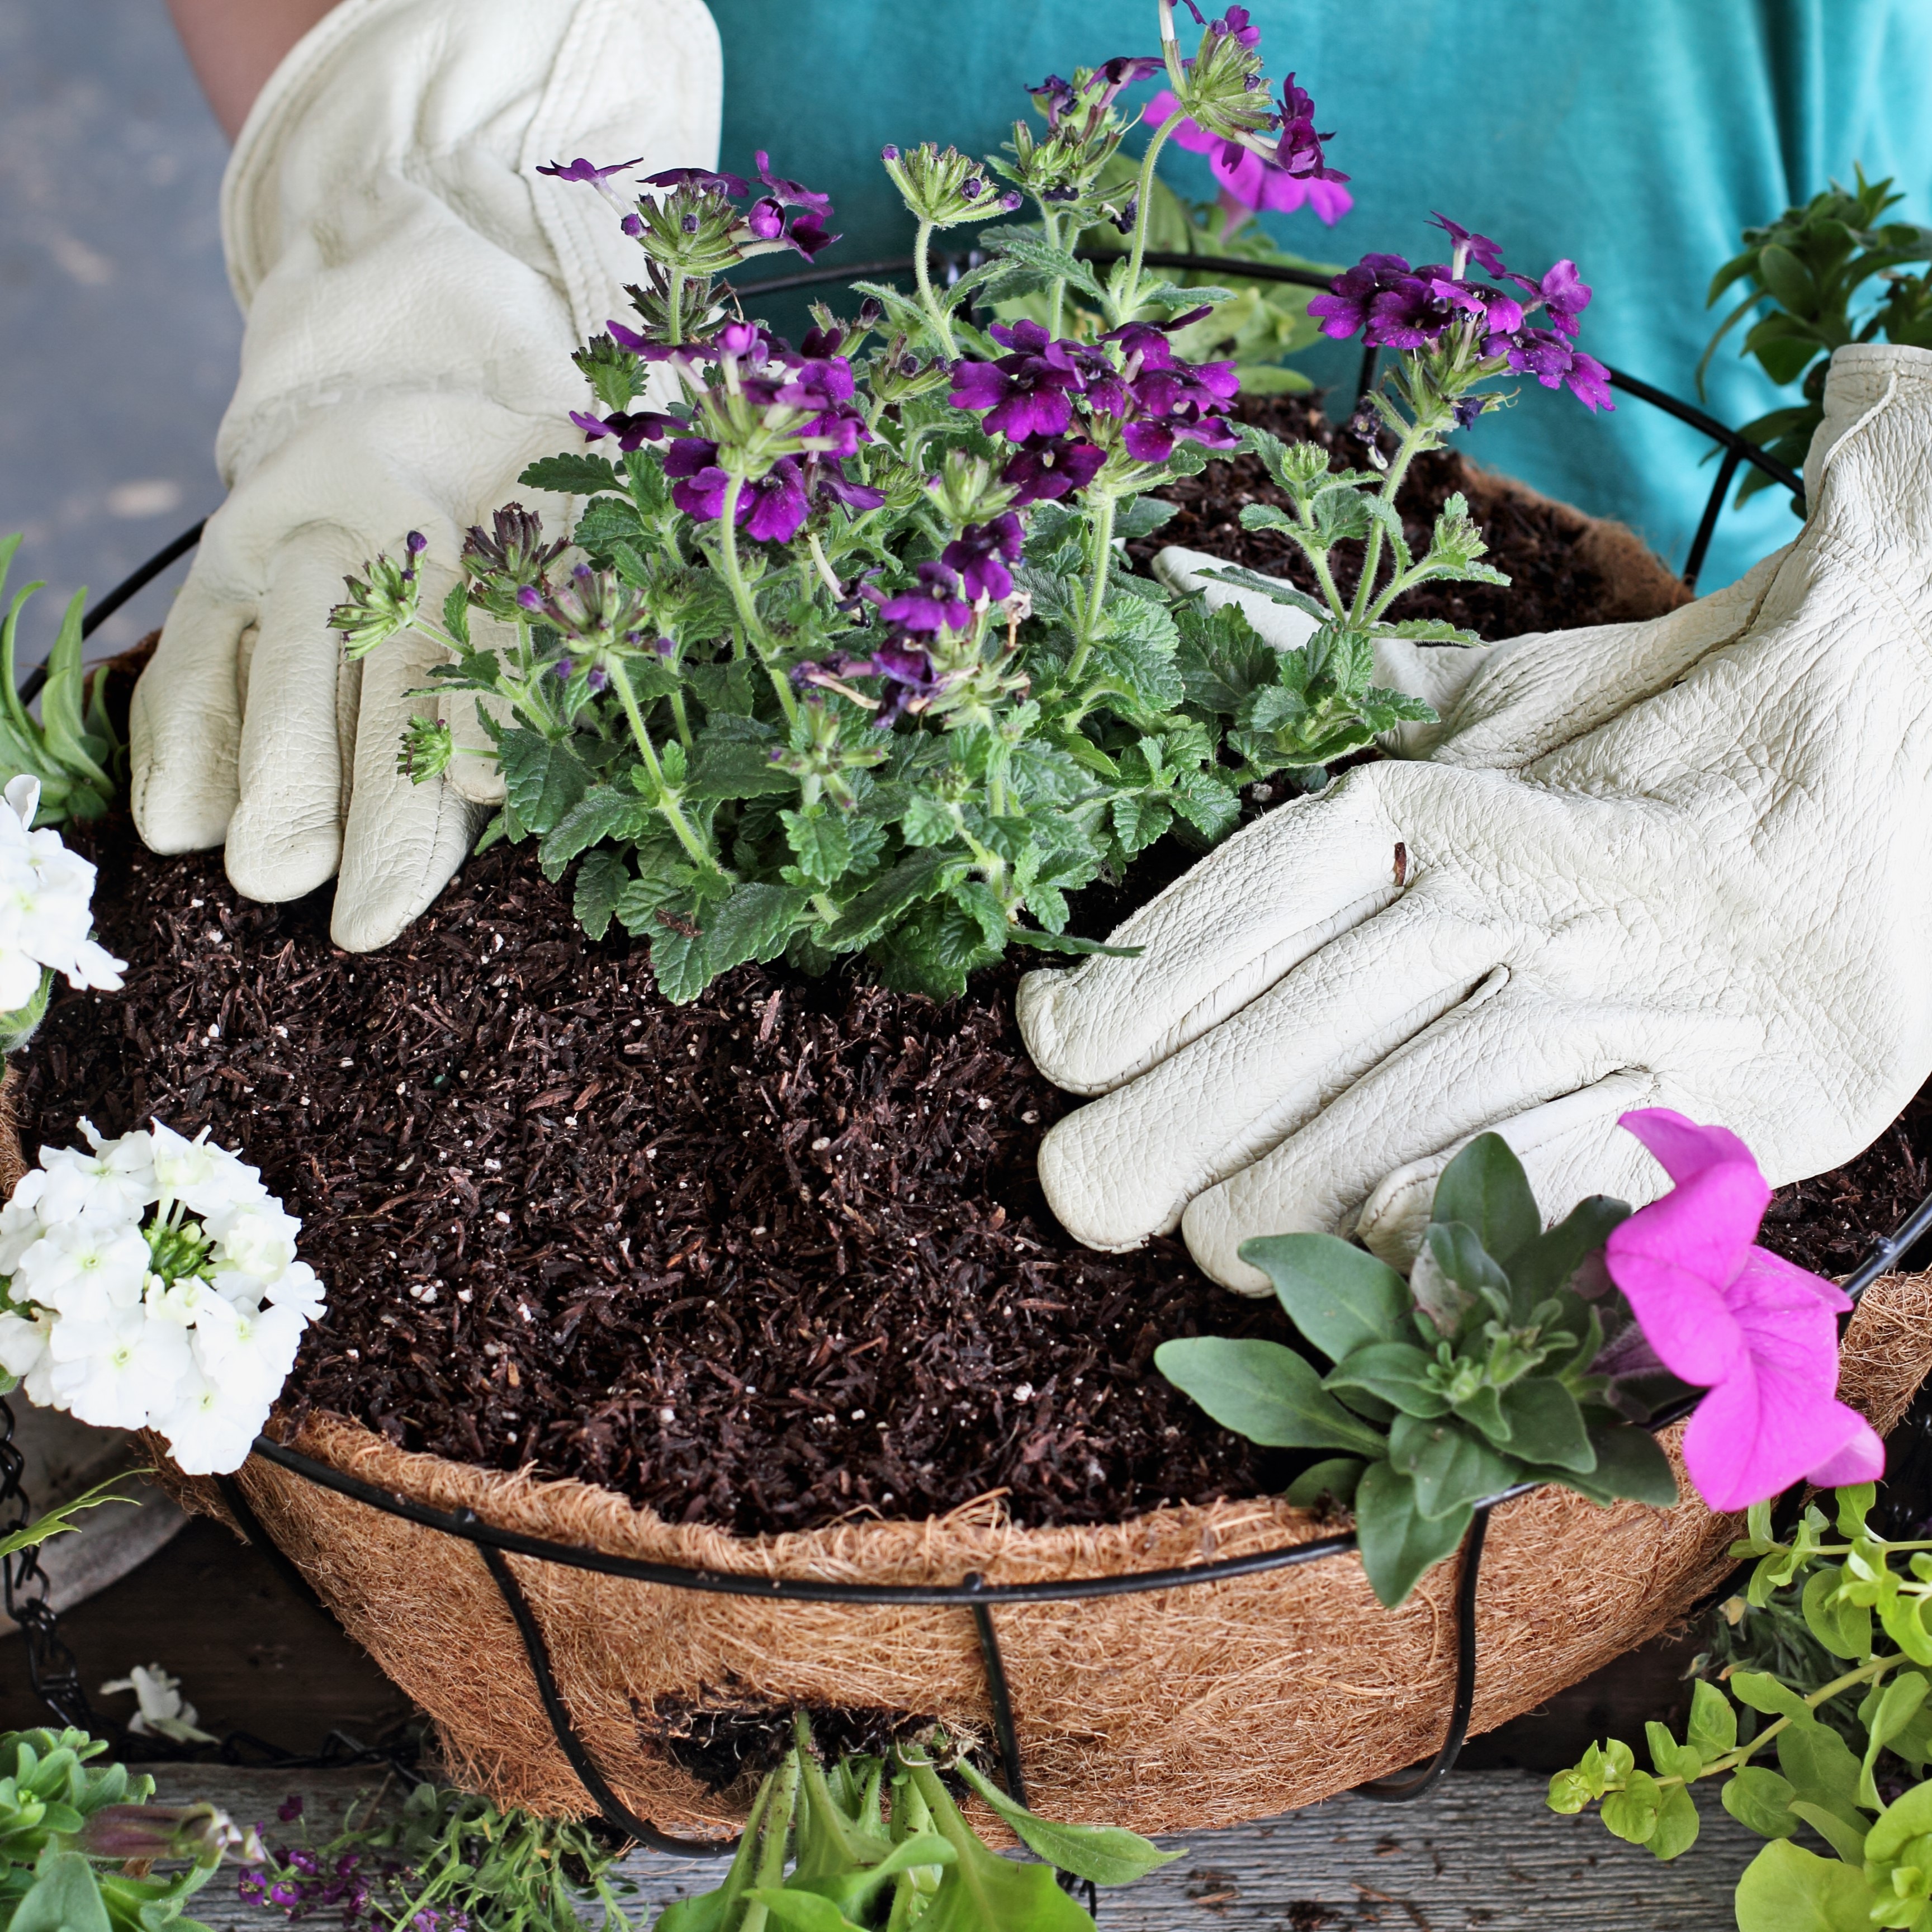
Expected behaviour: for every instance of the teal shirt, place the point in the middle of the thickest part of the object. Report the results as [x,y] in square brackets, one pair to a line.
[1637,137]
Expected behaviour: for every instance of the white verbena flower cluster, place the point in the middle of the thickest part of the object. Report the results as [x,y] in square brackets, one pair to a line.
[46,895]
[185,1320]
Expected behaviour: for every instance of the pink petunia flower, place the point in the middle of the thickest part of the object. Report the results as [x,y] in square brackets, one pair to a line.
[1249,179]
[1759,1333]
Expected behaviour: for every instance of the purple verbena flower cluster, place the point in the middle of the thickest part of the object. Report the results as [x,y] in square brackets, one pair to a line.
[1048,397]
[1391,304]
[805,399]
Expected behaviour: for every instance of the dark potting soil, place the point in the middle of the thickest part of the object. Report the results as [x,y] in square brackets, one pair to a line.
[762,1260]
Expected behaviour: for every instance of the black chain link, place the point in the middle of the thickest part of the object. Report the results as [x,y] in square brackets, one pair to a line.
[53,1669]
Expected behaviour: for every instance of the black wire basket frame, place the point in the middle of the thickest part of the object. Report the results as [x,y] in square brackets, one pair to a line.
[972,1593]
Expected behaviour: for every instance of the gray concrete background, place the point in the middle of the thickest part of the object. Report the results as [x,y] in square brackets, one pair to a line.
[118,335]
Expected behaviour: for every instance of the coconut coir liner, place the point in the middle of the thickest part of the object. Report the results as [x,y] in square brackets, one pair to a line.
[1184,1709]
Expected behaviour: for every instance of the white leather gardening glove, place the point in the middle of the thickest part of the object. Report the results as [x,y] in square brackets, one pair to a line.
[1684,863]
[413,291]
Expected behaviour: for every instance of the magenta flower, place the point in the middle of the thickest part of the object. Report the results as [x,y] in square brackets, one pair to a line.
[1252,180]
[1487,255]
[1025,393]
[929,604]
[1344,311]
[1555,363]
[1759,1333]
[583,170]
[1562,292]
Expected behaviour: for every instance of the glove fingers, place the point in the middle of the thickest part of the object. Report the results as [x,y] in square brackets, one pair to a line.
[1501,1053]
[185,723]
[1125,1166]
[286,837]
[1570,1148]
[402,842]
[1523,704]
[1218,937]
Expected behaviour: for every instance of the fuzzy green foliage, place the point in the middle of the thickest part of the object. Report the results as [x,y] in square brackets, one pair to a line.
[72,747]
[1857,1788]
[1805,276]
[1488,1368]
[821,730]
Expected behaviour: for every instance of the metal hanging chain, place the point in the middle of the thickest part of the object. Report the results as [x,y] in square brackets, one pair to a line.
[53,1669]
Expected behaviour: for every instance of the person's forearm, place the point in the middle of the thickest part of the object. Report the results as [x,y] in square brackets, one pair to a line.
[235,45]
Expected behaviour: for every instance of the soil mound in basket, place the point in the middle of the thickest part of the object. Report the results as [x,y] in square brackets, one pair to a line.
[760,1262]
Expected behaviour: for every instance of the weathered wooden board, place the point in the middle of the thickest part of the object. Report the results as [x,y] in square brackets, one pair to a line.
[1482,1851]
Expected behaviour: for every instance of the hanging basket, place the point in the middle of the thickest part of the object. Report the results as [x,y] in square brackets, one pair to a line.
[1192,1667]
[1263,1676]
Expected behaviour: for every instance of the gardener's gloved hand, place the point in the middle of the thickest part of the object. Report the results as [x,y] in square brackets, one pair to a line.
[413,292]
[1681,863]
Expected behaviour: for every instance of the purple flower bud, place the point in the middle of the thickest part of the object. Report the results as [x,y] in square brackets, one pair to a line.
[599,677]
[665,647]
[416,543]
[290,1808]
[631,226]
[530,598]
[872,312]
[889,153]
[972,187]
[563,668]
[738,338]
[202,1832]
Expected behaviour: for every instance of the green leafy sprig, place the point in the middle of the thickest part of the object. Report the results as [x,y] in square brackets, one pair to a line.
[79,1839]
[1867,1602]
[1480,1373]
[72,748]
[876,1843]
[1803,274]
[445,1860]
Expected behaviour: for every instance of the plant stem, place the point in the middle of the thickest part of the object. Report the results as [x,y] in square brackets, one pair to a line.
[1868,1672]
[1414,439]
[921,268]
[1096,593]
[1130,302]
[674,318]
[666,799]
[752,637]
[1056,293]
[1317,560]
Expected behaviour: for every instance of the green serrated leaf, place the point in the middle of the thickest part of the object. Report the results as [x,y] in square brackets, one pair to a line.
[601,882]
[571,475]
[542,779]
